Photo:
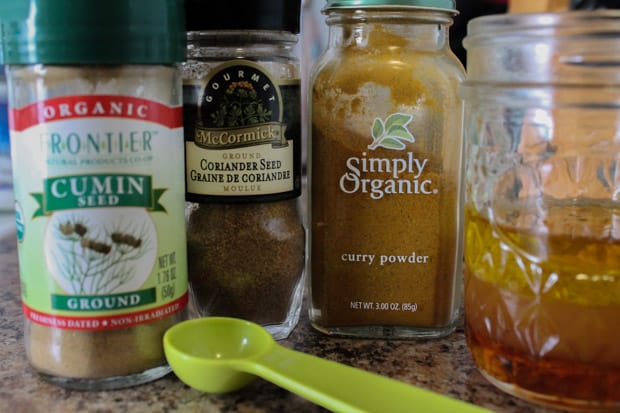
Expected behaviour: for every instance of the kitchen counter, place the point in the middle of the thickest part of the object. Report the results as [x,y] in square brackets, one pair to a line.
[443,365]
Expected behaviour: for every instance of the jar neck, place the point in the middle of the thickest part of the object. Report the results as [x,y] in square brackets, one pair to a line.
[246,44]
[424,30]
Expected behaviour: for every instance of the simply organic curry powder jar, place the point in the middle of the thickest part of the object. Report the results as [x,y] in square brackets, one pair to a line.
[385,172]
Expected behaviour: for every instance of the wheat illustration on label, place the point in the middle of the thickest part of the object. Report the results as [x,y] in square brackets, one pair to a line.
[391,133]
[98,259]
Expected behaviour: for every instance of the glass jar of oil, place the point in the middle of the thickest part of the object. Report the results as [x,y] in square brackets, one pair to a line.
[542,217]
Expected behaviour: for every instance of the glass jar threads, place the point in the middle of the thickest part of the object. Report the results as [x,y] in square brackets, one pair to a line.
[542,288]
[384,172]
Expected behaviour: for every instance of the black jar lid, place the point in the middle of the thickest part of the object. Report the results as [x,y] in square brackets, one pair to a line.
[243,15]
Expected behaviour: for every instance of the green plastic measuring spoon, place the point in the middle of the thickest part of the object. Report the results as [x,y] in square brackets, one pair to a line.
[220,355]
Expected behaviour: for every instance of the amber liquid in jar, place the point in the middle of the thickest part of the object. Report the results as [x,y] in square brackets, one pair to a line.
[542,303]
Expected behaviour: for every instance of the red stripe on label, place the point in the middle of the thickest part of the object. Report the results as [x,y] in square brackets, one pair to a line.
[95,106]
[102,323]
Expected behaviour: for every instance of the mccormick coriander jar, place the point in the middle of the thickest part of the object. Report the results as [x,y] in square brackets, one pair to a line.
[245,236]
[385,162]
[97,151]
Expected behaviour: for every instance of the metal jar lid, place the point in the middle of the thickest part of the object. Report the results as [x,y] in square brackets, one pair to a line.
[447,5]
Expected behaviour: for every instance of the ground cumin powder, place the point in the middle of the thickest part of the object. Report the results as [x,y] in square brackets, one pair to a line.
[93,354]
[385,244]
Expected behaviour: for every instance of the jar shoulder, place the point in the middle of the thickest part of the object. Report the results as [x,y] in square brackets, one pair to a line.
[429,71]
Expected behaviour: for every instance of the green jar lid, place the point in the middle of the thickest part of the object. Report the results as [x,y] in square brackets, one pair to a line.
[93,31]
[449,5]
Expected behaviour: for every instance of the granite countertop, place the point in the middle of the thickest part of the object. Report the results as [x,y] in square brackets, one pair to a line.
[443,365]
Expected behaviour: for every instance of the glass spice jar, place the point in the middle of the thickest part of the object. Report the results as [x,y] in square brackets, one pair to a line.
[97,151]
[246,239]
[542,218]
[384,176]
[6,178]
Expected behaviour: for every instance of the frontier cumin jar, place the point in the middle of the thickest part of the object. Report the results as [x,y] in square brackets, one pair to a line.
[386,151]
[97,150]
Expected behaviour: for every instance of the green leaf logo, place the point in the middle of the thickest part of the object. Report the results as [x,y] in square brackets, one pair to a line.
[391,133]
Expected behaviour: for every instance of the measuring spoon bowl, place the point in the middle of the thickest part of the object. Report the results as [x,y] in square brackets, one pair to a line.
[221,354]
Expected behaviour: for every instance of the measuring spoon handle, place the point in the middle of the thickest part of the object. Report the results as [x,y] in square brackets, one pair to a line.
[342,388]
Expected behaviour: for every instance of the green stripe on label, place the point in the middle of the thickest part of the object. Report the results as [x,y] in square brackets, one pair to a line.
[107,302]
[96,191]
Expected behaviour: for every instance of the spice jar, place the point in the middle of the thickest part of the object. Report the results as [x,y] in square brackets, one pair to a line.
[6,180]
[385,166]
[246,240]
[97,151]
[542,250]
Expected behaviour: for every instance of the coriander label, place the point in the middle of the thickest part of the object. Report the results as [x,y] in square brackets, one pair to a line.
[243,139]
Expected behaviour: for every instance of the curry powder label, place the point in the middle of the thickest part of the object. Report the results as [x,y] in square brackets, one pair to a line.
[245,136]
[380,238]
[93,195]
[388,175]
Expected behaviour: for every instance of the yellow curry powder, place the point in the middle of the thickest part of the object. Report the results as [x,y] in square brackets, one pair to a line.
[385,200]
